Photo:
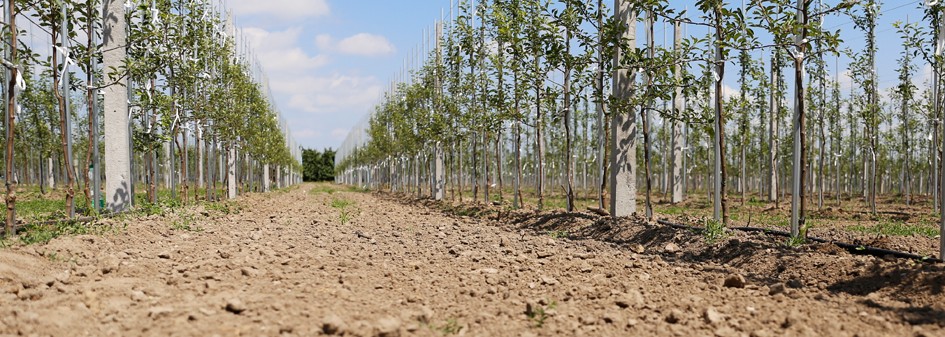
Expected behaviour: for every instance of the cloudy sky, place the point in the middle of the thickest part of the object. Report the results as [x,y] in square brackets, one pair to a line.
[329,60]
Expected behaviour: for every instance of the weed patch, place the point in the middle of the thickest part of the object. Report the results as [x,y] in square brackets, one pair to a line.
[538,313]
[451,327]
[186,223]
[556,234]
[347,210]
[323,189]
[892,228]
[714,231]
[225,208]
[43,233]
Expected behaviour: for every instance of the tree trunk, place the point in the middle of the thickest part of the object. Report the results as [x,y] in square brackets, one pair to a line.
[60,78]
[567,125]
[720,178]
[231,171]
[184,161]
[773,136]
[645,118]
[798,202]
[539,147]
[874,106]
[93,122]
[601,132]
[517,197]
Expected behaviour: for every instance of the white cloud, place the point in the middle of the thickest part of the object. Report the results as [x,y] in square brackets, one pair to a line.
[323,94]
[324,41]
[307,134]
[924,77]
[363,44]
[339,134]
[279,52]
[260,38]
[846,82]
[281,9]
[728,91]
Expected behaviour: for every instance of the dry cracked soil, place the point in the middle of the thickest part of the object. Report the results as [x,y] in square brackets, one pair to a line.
[283,263]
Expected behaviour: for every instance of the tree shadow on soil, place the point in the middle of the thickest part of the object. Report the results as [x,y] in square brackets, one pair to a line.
[914,315]
[928,280]
[764,259]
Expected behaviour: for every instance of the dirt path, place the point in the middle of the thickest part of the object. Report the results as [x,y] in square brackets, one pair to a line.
[285,265]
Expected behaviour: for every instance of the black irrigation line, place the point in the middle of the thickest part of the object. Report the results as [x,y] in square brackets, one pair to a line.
[852,248]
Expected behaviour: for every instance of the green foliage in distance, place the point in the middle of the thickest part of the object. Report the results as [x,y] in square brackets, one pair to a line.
[318,165]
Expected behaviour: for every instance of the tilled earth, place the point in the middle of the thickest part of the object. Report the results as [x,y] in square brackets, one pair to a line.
[284,264]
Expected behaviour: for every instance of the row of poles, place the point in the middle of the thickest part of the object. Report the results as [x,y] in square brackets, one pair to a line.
[115,108]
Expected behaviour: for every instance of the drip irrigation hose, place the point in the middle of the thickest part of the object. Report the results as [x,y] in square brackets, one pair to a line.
[852,248]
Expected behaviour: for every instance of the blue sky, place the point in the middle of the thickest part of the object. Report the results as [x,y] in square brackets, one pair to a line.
[329,60]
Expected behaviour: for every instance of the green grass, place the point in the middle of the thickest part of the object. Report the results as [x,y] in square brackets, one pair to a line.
[284,189]
[539,314]
[223,207]
[43,233]
[186,223]
[54,257]
[761,219]
[41,209]
[796,241]
[801,237]
[670,209]
[330,188]
[35,209]
[323,188]
[715,231]
[556,234]
[466,210]
[357,189]
[341,203]
[347,209]
[894,228]
[451,327]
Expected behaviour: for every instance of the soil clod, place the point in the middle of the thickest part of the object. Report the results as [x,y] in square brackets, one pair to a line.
[734,281]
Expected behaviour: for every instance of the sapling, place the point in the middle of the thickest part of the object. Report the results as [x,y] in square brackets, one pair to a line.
[347,210]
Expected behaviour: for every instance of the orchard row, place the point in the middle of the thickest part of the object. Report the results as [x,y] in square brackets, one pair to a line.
[135,93]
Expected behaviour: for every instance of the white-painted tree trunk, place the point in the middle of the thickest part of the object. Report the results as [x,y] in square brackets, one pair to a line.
[118,192]
[279,177]
[678,141]
[50,176]
[231,173]
[265,183]
[168,170]
[623,187]
[198,141]
[439,172]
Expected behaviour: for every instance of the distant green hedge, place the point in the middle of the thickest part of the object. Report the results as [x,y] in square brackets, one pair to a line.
[318,165]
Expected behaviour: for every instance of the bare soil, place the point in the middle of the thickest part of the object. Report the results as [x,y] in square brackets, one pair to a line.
[833,221]
[284,264]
